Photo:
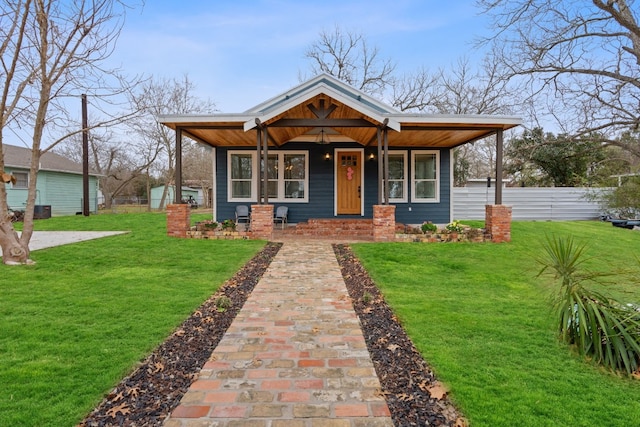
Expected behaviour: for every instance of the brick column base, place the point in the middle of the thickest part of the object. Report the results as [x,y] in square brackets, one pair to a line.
[178,220]
[498,223]
[384,223]
[261,222]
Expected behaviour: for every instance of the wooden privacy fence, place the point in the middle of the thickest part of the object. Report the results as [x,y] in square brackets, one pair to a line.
[529,203]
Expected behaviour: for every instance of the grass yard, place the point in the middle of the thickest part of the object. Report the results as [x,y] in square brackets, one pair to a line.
[80,319]
[483,321]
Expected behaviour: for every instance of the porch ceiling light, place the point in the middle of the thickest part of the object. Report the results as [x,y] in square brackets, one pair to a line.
[323,137]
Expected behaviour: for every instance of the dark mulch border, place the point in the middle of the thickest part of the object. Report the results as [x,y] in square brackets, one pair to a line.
[154,389]
[147,396]
[405,378]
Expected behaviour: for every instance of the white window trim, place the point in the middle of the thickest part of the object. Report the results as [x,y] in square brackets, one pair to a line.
[14,186]
[254,168]
[405,199]
[281,180]
[415,199]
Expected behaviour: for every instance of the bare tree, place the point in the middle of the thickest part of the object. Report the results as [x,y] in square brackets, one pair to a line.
[118,163]
[50,50]
[460,89]
[586,55]
[347,56]
[416,91]
[163,96]
[197,162]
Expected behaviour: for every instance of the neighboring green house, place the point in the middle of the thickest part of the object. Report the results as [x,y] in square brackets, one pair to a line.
[156,196]
[59,184]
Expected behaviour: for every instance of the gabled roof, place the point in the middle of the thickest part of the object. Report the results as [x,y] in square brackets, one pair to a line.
[347,113]
[20,158]
[322,84]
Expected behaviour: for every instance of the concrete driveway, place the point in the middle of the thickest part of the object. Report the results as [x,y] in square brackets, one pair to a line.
[48,239]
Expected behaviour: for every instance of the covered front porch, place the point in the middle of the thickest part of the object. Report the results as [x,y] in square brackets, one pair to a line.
[328,151]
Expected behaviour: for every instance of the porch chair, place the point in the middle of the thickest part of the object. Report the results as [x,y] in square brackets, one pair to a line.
[281,215]
[242,214]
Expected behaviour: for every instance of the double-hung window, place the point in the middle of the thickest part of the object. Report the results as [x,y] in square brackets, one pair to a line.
[241,170]
[295,179]
[287,176]
[425,179]
[398,176]
[22,180]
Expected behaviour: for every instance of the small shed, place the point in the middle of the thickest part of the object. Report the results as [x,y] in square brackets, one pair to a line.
[156,195]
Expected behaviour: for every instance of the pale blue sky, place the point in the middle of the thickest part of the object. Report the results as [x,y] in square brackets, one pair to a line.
[240,53]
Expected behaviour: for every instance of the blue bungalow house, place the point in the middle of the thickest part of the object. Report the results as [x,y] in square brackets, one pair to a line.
[332,151]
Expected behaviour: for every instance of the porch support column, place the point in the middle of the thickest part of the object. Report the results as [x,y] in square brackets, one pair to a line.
[178,171]
[384,223]
[498,223]
[258,145]
[386,164]
[498,216]
[178,220]
[380,166]
[261,222]
[499,149]
[265,158]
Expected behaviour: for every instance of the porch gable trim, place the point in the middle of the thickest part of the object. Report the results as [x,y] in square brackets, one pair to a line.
[321,89]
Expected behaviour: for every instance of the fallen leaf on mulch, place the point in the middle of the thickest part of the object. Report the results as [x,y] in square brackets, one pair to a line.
[393,347]
[123,409]
[437,391]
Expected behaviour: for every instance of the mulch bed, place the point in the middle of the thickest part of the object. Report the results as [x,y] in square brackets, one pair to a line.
[414,396]
[154,389]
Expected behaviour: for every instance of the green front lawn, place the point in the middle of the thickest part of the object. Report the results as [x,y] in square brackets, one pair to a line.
[80,319]
[483,321]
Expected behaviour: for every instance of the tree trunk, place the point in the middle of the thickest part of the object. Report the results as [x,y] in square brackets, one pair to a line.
[108,198]
[13,252]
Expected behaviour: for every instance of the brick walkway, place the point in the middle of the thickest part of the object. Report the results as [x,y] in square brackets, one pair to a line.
[294,356]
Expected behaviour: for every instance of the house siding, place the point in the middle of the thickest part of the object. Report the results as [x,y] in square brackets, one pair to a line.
[62,191]
[321,186]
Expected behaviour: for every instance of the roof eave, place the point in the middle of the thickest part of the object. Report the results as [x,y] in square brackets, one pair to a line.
[504,122]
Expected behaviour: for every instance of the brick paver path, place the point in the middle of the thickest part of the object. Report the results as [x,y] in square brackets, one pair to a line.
[294,356]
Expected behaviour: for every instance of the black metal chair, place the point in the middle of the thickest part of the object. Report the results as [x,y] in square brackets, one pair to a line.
[281,215]
[242,214]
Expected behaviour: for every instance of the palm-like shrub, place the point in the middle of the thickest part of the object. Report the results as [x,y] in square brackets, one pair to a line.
[601,328]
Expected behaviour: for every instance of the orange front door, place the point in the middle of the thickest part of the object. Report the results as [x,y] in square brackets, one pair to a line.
[348,171]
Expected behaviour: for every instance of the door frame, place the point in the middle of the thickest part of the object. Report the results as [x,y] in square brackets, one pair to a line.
[336,152]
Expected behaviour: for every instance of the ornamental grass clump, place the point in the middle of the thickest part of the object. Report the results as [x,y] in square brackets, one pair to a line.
[601,328]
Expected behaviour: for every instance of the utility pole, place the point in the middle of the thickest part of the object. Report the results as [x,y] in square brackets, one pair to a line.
[85,158]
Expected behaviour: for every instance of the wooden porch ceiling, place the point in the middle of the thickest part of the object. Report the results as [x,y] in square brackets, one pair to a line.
[300,124]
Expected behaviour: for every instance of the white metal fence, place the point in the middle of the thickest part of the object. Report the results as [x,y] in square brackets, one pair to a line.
[552,203]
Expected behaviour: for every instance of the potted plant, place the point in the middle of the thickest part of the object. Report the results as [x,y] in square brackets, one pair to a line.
[428,227]
[228,225]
